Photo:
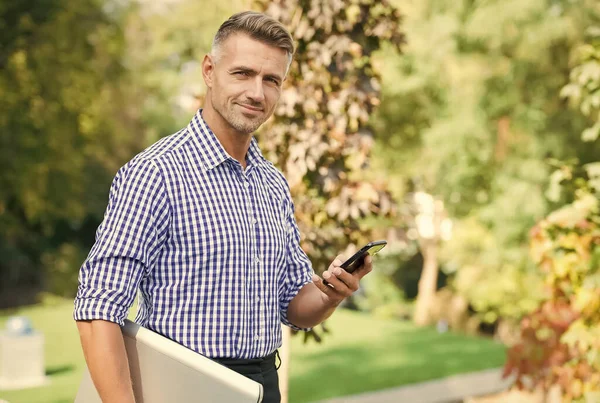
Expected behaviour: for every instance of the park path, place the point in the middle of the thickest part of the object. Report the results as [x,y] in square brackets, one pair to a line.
[455,388]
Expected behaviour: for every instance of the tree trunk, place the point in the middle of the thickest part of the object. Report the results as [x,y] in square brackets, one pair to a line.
[427,283]
[284,369]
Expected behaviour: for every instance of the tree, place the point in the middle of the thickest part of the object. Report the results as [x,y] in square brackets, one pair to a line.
[469,111]
[65,104]
[432,226]
[320,136]
[560,340]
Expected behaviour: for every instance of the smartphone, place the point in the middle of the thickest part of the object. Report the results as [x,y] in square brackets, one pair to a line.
[357,260]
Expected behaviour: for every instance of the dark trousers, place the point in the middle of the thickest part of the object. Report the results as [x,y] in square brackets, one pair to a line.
[261,370]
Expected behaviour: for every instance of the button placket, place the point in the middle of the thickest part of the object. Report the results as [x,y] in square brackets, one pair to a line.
[248,200]
[257,260]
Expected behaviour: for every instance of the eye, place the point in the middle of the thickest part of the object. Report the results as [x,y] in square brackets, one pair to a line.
[274,81]
[241,73]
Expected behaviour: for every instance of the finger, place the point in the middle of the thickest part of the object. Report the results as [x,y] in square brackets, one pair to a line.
[325,289]
[337,262]
[339,286]
[348,279]
[365,269]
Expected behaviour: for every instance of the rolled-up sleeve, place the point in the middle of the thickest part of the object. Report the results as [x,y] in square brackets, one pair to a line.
[128,240]
[299,268]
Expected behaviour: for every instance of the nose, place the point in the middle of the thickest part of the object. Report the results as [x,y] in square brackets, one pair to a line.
[255,91]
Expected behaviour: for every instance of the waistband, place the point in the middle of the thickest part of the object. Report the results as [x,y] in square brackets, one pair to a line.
[264,363]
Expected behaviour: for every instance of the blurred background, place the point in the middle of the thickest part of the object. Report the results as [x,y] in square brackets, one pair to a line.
[463,132]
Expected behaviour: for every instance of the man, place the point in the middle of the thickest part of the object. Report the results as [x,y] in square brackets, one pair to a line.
[203,226]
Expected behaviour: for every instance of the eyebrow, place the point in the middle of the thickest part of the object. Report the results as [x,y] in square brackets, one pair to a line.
[249,70]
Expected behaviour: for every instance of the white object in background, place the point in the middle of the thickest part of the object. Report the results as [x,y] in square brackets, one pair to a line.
[21,355]
[163,371]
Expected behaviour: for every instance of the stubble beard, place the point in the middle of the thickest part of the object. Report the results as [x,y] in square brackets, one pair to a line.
[236,120]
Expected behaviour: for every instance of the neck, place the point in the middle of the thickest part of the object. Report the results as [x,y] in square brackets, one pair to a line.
[235,143]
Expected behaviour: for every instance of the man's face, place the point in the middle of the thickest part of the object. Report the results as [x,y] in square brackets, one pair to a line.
[245,81]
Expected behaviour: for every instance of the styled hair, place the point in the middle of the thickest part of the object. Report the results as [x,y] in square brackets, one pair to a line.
[257,26]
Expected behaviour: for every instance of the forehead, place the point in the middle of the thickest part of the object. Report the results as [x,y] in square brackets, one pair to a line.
[240,49]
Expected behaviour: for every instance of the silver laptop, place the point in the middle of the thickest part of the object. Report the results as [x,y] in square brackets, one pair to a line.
[163,371]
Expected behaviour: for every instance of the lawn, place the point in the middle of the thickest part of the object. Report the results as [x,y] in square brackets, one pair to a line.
[360,354]
[64,359]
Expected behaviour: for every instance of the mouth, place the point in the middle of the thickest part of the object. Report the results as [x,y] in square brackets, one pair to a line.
[250,109]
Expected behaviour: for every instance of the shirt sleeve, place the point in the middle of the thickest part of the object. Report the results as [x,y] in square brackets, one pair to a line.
[128,241]
[299,268]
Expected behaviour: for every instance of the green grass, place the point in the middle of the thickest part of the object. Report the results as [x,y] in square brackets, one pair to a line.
[363,354]
[360,354]
[64,358]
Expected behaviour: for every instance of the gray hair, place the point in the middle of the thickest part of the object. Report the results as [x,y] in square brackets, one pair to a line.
[257,26]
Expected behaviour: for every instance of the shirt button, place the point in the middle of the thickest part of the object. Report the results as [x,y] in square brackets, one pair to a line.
[257,337]
[257,259]
[254,221]
[257,299]
[247,184]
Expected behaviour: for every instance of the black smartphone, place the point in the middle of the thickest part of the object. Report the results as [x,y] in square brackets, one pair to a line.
[357,260]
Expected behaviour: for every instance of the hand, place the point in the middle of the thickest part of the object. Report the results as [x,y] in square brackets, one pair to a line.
[341,283]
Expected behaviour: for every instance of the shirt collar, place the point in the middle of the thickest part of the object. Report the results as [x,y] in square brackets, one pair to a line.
[211,150]
[254,156]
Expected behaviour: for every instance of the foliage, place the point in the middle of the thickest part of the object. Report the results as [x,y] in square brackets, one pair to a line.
[470,111]
[561,339]
[494,288]
[379,295]
[584,88]
[60,266]
[65,104]
[320,135]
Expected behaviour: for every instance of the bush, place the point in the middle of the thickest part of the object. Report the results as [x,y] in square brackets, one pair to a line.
[561,339]
[495,287]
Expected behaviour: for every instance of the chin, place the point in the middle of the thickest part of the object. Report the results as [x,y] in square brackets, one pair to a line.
[245,125]
[251,129]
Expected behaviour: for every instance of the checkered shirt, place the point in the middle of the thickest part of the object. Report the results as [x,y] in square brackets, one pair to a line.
[211,249]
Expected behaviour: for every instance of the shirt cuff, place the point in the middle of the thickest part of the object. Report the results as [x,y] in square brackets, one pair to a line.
[99,309]
[285,303]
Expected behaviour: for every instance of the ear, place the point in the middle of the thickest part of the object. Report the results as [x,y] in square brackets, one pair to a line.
[208,68]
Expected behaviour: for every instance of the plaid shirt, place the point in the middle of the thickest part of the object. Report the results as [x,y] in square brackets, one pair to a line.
[213,248]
